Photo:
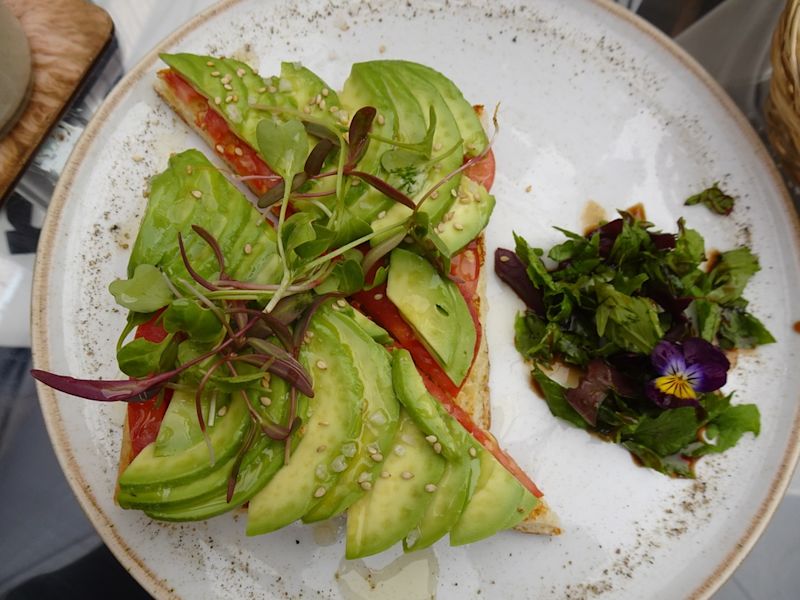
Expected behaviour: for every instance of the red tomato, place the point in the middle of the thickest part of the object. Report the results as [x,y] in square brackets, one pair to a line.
[227,144]
[482,171]
[144,418]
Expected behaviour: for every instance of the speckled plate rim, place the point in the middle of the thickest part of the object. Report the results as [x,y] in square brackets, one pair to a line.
[133,562]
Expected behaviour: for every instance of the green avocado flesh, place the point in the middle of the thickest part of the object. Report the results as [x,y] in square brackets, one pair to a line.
[398,498]
[372,442]
[335,422]
[380,411]
[435,309]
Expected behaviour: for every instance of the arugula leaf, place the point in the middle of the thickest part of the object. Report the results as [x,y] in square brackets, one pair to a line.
[728,428]
[669,465]
[534,338]
[714,199]
[630,322]
[554,395]
[667,433]
[688,253]
[731,274]
[145,292]
[739,329]
[709,318]
[629,244]
[533,263]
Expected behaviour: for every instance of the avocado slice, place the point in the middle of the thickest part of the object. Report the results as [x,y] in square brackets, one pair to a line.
[500,501]
[334,422]
[454,443]
[370,327]
[149,470]
[435,309]
[398,498]
[207,495]
[447,137]
[179,430]
[470,215]
[380,419]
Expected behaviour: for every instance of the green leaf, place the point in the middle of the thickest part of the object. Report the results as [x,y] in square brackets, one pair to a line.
[556,400]
[630,322]
[727,429]
[669,465]
[284,146]
[534,338]
[145,292]
[629,243]
[380,278]
[232,383]
[668,433]
[347,277]
[731,274]
[133,321]
[739,329]
[536,270]
[714,199]
[188,316]
[709,317]
[399,159]
[688,253]
[140,357]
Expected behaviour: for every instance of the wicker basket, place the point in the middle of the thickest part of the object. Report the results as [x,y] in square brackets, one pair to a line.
[782,109]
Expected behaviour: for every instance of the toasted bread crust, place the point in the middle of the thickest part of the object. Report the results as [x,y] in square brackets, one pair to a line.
[474,396]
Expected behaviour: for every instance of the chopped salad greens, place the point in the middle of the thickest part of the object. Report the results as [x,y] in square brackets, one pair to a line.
[632,309]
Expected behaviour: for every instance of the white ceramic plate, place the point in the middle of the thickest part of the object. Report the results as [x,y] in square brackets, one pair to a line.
[595,106]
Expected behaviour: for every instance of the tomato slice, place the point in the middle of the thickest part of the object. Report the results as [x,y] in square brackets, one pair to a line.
[482,171]
[227,144]
[144,418]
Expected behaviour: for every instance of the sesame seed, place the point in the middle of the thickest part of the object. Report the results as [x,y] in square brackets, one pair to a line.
[365,476]
[309,334]
[366,485]
[240,72]
[435,194]
[210,63]
[325,91]
[215,73]
[382,214]
[464,200]
[317,99]
[235,98]
[228,86]
[322,104]
[437,146]
[229,99]
[221,412]
[408,239]
[248,248]
[472,452]
[437,447]
[449,216]
[188,169]
[324,423]
[399,450]
[431,439]
[319,492]
[341,302]
[380,119]
[453,193]
[220,148]
[377,457]
[458,226]
[265,400]
[385,474]
[378,296]
[372,448]
[306,110]
[440,228]
[505,258]
[334,109]
[407,475]
[197,194]
[272,89]
[322,448]
[217,100]
[238,151]
[226,78]
[261,90]
[137,158]
[430,488]
[322,365]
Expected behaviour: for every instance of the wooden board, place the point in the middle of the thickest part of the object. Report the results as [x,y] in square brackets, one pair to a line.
[66,38]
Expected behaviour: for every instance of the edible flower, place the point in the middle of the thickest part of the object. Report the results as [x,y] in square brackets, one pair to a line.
[685,371]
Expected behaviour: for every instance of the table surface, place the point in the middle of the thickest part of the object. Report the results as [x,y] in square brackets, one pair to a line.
[43,527]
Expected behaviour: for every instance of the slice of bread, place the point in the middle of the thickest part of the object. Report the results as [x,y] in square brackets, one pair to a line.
[474,396]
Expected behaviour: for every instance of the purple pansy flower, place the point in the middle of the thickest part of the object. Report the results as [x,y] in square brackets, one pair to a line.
[686,370]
